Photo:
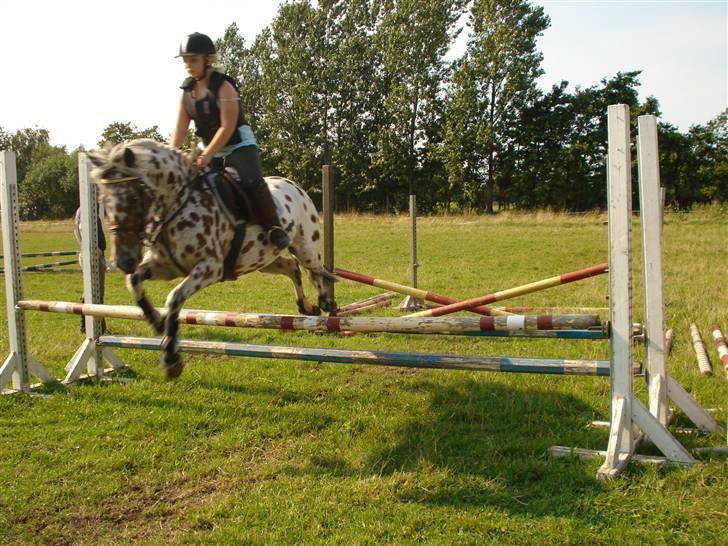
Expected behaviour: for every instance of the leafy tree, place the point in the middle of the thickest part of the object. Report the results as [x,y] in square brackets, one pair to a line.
[709,144]
[413,38]
[24,142]
[118,132]
[292,92]
[492,85]
[50,185]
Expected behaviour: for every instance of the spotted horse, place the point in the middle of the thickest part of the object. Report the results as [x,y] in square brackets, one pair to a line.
[155,197]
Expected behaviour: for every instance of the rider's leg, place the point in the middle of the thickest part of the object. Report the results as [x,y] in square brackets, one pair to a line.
[246,162]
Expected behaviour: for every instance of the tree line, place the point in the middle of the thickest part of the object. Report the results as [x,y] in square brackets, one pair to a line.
[370,87]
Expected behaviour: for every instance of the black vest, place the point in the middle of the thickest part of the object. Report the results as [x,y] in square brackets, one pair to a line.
[205,112]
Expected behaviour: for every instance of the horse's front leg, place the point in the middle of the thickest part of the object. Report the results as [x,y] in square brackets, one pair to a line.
[135,285]
[203,274]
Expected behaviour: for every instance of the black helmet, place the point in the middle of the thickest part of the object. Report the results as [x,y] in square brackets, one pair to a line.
[196,43]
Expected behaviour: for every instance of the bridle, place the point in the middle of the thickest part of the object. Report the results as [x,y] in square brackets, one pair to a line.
[137,228]
[150,233]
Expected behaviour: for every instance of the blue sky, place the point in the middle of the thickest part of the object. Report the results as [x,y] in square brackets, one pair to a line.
[73,68]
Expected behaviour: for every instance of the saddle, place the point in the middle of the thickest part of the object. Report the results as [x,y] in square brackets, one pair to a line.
[237,205]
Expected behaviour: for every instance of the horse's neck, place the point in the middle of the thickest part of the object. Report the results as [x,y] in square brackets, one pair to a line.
[173,191]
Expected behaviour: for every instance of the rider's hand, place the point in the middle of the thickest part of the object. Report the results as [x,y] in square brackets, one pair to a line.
[203,160]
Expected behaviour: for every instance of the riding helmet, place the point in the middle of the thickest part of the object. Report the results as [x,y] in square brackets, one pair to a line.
[196,43]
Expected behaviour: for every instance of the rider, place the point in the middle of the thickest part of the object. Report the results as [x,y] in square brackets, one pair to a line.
[211,99]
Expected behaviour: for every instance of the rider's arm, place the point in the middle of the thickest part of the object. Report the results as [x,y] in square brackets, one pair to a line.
[183,123]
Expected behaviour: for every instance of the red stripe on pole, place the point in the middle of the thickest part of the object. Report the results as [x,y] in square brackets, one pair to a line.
[544,322]
[78,308]
[583,273]
[230,319]
[333,324]
[487,324]
[287,323]
[358,277]
[191,318]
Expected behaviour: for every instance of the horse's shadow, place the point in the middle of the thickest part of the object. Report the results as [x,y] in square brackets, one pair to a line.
[485,444]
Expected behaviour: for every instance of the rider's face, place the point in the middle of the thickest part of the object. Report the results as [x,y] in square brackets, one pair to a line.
[195,65]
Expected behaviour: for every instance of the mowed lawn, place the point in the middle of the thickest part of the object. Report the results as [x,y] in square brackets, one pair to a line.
[253,451]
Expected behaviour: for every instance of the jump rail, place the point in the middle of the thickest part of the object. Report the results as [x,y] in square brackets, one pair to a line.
[567,326]
[629,417]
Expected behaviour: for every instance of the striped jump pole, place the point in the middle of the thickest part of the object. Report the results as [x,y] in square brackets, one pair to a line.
[557,326]
[527,310]
[45,267]
[409,291]
[381,358]
[465,305]
[721,345]
[703,362]
[363,308]
[47,253]
[387,296]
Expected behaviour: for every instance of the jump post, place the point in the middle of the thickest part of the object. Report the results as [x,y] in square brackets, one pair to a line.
[629,417]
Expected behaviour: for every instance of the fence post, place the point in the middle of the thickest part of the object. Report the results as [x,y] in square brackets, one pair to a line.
[327,210]
[16,364]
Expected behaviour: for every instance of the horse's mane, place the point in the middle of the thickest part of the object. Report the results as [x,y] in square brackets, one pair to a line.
[141,156]
[145,148]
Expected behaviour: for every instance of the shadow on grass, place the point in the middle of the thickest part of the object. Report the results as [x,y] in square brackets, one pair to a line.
[485,444]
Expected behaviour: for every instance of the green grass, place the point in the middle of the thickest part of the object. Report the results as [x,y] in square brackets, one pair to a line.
[251,451]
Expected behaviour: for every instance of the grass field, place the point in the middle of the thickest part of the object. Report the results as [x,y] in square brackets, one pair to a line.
[249,451]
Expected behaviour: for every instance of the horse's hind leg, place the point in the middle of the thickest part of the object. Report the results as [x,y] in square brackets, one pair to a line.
[308,257]
[284,265]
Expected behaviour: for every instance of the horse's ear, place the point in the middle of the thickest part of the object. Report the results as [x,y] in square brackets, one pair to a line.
[129,158]
[97,158]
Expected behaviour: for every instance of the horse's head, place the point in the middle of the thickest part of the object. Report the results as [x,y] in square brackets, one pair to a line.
[137,181]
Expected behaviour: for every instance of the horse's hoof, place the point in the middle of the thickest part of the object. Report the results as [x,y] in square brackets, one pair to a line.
[327,305]
[172,365]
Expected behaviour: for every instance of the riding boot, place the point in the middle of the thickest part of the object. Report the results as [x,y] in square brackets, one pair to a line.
[268,214]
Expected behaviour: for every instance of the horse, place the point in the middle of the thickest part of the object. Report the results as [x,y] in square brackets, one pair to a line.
[154,196]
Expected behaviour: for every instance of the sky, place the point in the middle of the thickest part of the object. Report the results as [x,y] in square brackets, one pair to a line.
[74,67]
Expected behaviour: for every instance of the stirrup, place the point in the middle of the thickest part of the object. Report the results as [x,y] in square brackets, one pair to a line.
[278,237]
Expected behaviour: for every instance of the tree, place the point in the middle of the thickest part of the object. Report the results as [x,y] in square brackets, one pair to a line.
[118,132]
[413,38]
[24,142]
[50,185]
[709,144]
[492,85]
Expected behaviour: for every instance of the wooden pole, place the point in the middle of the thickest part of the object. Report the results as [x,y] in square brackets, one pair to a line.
[721,345]
[536,325]
[327,211]
[381,358]
[464,305]
[703,362]
[410,291]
